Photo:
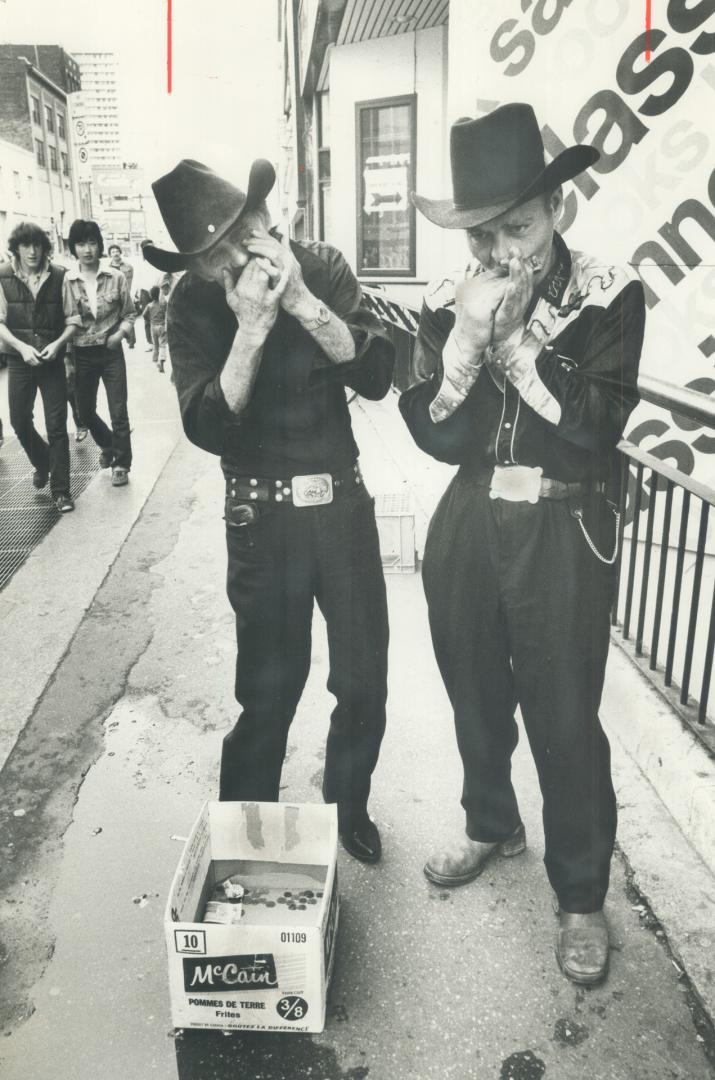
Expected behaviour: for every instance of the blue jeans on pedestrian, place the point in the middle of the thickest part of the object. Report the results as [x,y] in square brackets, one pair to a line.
[95,363]
[23,383]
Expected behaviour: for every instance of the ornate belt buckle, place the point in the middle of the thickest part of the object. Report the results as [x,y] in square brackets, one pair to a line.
[516,483]
[316,489]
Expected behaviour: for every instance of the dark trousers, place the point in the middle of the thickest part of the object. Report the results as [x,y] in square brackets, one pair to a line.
[23,383]
[95,363]
[70,374]
[519,612]
[277,566]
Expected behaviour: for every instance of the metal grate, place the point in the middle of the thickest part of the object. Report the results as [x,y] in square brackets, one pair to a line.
[27,515]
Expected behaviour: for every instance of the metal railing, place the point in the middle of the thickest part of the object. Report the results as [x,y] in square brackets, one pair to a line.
[664,568]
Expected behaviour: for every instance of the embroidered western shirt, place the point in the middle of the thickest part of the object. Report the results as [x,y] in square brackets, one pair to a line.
[564,398]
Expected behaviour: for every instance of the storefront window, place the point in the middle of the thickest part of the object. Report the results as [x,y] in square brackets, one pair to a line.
[386,167]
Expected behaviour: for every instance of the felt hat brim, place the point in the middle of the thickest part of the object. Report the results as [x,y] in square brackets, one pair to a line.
[260,183]
[569,163]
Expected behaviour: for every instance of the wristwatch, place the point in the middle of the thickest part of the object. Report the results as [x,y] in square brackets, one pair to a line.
[321,317]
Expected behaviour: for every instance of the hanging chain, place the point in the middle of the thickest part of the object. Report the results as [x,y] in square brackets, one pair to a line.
[578,514]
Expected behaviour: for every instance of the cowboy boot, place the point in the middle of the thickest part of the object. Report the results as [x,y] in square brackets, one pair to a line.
[464,861]
[582,946]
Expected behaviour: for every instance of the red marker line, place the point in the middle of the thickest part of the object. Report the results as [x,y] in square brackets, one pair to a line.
[169,56]
[647,29]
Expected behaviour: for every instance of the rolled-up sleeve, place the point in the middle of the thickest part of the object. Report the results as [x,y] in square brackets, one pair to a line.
[369,373]
[196,363]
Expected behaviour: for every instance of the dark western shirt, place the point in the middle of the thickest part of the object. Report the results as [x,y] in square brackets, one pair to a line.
[297,420]
[565,405]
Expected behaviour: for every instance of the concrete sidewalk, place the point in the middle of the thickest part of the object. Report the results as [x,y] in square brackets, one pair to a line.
[113,764]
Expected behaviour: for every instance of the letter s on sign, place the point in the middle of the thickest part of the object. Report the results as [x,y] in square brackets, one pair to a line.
[683,20]
[524,40]
[677,62]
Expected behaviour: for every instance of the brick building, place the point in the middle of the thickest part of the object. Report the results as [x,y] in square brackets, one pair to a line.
[35,84]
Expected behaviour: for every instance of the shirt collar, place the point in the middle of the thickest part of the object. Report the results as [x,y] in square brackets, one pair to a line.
[553,286]
[75,274]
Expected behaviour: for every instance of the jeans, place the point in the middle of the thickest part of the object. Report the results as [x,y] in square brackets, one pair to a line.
[94,363]
[519,613]
[158,337]
[277,566]
[23,383]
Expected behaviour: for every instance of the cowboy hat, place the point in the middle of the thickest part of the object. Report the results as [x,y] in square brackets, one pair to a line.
[199,207]
[497,164]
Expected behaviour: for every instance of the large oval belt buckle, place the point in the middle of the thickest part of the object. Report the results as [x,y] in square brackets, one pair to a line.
[315,489]
[516,483]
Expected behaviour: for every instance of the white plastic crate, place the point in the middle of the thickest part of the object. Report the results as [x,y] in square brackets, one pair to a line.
[396,529]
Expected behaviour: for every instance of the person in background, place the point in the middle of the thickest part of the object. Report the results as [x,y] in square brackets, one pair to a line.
[155,312]
[117,260]
[38,316]
[107,313]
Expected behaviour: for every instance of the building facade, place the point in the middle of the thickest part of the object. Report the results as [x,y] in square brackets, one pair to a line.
[98,106]
[372,89]
[36,140]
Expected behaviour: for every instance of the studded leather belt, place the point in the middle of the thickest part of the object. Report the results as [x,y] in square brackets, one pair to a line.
[308,489]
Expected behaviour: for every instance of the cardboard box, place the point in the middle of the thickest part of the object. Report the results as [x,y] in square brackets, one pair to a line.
[271,971]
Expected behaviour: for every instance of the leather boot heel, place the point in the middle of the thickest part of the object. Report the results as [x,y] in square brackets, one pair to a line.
[515,844]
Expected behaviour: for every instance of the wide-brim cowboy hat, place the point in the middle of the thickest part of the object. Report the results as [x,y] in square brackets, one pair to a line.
[498,164]
[198,207]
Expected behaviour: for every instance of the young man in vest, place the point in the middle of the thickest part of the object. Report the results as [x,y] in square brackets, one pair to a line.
[527,365]
[38,316]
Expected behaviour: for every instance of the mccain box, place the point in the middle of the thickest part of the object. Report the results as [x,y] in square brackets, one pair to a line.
[270,971]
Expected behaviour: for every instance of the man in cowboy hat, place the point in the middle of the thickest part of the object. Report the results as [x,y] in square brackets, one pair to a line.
[526,366]
[264,336]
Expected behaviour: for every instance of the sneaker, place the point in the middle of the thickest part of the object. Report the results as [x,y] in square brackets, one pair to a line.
[39,479]
[64,504]
[80,434]
[105,458]
[120,476]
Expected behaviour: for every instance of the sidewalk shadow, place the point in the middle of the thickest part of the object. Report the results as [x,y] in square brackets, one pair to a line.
[211,1055]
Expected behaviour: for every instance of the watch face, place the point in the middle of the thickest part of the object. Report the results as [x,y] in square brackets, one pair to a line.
[323,315]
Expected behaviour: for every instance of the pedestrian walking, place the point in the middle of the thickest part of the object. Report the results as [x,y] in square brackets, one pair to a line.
[526,367]
[117,260]
[38,316]
[264,335]
[107,314]
[155,312]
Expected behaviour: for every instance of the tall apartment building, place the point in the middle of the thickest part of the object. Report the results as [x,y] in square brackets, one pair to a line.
[37,176]
[98,105]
